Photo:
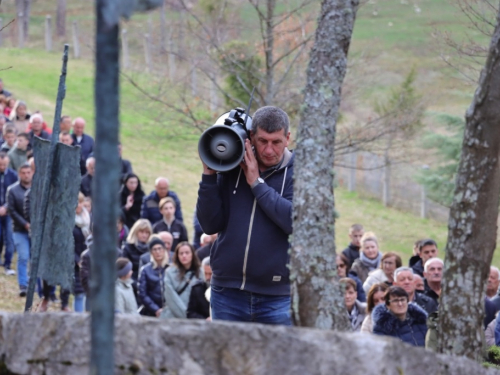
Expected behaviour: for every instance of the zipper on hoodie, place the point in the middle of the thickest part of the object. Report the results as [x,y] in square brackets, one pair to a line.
[247,248]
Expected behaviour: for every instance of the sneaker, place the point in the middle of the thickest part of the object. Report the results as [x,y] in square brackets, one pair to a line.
[22,292]
[10,272]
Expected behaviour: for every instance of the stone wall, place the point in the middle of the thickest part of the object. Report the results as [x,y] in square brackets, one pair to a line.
[58,343]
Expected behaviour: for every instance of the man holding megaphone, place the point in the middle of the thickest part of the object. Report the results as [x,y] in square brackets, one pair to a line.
[250,207]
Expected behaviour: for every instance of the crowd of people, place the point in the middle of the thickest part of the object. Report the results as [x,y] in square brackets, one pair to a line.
[247,217]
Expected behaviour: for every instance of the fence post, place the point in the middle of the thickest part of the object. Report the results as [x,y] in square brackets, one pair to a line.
[163,28]
[386,188]
[423,203]
[48,33]
[171,58]
[147,53]
[126,60]
[1,25]
[351,180]
[20,30]
[76,43]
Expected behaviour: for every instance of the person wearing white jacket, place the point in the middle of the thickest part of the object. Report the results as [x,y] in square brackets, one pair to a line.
[385,274]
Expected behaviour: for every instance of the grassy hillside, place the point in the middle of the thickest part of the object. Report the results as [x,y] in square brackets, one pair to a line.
[392,41]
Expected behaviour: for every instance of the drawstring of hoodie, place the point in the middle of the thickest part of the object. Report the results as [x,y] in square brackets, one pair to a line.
[237,182]
[284,179]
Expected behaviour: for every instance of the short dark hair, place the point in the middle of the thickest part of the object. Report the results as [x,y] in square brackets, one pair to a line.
[270,119]
[64,117]
[395,291]
[390,254]
[24,166]
[375,288]
[64,133]
[3,155]
[426,242]
[24,135]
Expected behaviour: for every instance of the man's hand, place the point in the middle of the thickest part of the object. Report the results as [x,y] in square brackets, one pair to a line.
[250,165]
[158,312]
[3,211]
[206,170]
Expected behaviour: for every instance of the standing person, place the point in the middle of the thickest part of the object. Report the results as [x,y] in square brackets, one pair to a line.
[81,232]
[36,122]
[65,124]
[9,136]
[427,249]
[355,309]
[137,245]
[7,178]
[18,155]
[20,117]
[376,296]
[20,224]
[169,223]
[167,240]
[85,141]
[199,305]
[398,318]
[369,259]
[131,196]
[385,274]
[151,279]
[125,302]
[86,182]
[343,270]
[179,279]
[251,209]
[150,209]
[356,231]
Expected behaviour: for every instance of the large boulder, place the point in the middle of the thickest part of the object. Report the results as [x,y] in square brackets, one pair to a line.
[58,343]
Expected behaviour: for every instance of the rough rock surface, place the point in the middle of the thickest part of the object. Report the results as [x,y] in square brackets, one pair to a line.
[58,343]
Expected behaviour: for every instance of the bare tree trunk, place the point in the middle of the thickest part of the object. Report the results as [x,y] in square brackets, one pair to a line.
[269,45]
[61,18]
[472,226]
[318,298]
[26,18]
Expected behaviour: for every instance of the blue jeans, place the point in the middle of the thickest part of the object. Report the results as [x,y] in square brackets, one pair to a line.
[6,232]
[241,306]
[22,243]
[79,302]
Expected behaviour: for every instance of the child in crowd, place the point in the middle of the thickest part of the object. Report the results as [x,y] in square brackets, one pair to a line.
[125,302]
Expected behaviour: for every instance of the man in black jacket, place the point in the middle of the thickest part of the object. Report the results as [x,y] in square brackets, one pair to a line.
[169,223]
[7,178]
[21,225]
[356,231]
[199,306]
[427,249]
[403,277]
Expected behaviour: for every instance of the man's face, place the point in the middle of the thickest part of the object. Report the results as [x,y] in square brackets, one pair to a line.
[66,124]
[168,210]
[350,296]
[434,272]
[269,147]
[162,188]
[91,167]
[10,138]
[419,283]
[493,280]
[167,240]
[405,281]
[355,237]
[25,175]
[22,143]
[428,252]
[4,163]
[36,124]
[78,127]
[66,139]
[208,273]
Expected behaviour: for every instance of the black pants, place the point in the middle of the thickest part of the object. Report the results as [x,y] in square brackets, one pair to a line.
[64,294]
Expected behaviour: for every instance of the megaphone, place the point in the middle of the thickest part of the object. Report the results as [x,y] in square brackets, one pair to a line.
[222,146]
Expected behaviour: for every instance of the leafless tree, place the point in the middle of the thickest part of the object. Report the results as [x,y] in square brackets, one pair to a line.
[473,217]
[317,297]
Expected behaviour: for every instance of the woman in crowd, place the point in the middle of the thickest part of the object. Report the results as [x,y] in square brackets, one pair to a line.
[131,195]
[369,257]
[399,318]
[10,103]
[179,279]
[20,117]
[137,245]
[385,274]
[355,309]
[151,278]
[343,271]
[81,231]
[376,296]
[125,302]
